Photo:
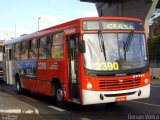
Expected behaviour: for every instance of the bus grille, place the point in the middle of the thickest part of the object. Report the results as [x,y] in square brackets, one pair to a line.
[113,85]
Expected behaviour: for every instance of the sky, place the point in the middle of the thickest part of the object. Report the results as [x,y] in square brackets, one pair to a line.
[21,16]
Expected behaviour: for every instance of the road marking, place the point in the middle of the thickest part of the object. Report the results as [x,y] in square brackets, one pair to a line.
[155,86]
[10,111]
[17,111]
[36,111]
[146,103]
[56,108]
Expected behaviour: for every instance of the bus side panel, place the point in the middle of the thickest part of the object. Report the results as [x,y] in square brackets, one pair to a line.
[42,70]
[41,82]
[37,85]
[43,87]
[57,70]
[28,83]
[46,71]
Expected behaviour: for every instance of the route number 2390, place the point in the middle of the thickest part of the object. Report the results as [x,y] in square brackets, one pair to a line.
[107,66]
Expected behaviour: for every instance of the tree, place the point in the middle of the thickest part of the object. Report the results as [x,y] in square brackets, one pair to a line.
[154,48]
[156,23]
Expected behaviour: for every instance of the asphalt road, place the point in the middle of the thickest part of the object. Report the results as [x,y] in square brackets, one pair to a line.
[144,109]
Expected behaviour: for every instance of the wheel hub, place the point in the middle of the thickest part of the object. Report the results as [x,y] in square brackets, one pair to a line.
[59,95]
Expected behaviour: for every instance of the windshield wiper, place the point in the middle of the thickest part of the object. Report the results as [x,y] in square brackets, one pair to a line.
[129,40]
[128,43]
[100,38]
[101,42]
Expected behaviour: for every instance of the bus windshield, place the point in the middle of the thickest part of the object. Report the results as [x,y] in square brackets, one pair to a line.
[115,51]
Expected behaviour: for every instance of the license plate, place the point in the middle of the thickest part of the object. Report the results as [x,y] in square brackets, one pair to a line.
[120,99]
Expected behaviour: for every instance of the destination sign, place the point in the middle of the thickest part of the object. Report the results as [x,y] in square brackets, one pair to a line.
[112,25]
[118,26]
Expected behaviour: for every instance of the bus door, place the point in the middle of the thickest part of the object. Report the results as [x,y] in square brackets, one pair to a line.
[73,67]
[8,69]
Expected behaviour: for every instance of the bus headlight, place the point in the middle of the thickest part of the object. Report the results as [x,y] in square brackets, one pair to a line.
[146,81]
[89,86]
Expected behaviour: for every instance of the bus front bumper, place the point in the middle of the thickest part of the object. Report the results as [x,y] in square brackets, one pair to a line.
[97,97]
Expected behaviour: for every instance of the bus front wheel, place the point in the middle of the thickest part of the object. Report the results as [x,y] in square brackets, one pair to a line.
[59,96]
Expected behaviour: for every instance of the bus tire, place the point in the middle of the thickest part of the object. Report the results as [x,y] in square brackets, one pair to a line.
[19,89]
[59,96]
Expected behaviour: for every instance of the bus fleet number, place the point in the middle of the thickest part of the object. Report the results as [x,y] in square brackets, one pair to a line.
[107,66]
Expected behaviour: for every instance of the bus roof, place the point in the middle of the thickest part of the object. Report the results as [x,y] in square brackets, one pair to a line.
[64,26]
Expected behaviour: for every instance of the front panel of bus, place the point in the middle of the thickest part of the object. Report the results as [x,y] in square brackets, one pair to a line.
[115,61]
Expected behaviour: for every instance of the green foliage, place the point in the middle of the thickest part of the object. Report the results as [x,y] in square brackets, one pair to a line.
[154,43]
[157,27]
[154,48]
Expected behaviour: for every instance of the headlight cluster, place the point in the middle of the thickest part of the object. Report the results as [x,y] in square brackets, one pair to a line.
[89,85]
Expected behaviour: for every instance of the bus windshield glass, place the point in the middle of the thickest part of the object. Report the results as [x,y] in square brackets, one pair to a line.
[115,51]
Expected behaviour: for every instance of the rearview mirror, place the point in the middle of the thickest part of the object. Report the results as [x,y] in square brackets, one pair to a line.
[81,46]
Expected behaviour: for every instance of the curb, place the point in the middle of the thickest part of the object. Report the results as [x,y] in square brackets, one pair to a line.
[33,110]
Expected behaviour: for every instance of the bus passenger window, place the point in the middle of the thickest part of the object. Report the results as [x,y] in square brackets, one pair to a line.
[33,51]
[24,50]
[45,47]
[57,46]
[17,51]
